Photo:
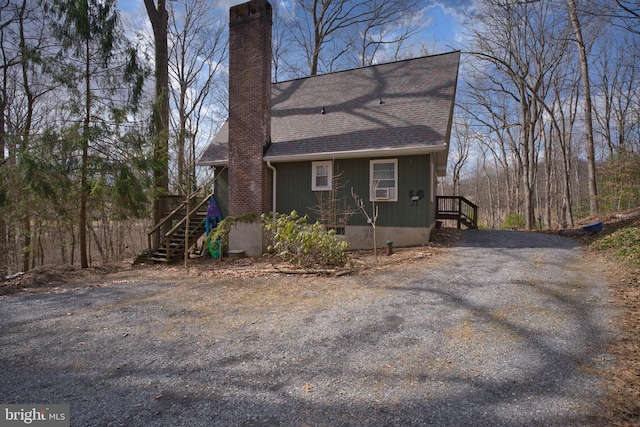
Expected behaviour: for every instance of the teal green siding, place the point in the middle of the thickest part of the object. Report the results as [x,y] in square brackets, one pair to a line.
[414,173]
[221,192]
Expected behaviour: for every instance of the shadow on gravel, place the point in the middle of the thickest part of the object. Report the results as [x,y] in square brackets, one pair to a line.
[509,369]
[502,333]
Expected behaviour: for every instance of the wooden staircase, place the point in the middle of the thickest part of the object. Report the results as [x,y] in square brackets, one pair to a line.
[185,224]
[458,209]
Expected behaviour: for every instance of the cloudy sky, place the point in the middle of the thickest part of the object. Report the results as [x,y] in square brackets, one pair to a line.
[444,17]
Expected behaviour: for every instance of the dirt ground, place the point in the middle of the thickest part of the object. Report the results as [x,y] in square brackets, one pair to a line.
[623,378]
[56,278]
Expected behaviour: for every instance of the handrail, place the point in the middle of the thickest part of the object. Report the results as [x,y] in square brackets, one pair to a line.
[459,207]
[167,219]
[470,206]
[168,234]
[184,219]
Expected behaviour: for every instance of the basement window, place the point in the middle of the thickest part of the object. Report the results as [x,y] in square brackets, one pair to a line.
[383,182]
[321,175]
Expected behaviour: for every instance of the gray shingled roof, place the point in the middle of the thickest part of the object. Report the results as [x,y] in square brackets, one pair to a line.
[398,108]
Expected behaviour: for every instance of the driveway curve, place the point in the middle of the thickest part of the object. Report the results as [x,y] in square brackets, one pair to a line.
[507,329]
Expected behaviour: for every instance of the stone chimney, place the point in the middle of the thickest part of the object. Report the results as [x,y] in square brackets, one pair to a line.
[249,107]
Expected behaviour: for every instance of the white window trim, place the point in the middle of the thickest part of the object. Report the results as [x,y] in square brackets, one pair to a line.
[314,166]
[392,194]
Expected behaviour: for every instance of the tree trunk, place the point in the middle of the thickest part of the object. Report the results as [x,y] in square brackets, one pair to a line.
[527,161]
[586,87]
[4,244]
[84,180]
[566,195]
[26,249]
[159,19]
[549,177]
[314,59]
[26,243]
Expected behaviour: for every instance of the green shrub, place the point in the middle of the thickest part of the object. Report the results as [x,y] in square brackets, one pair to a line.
[221,232]
[295,241]
[514,220]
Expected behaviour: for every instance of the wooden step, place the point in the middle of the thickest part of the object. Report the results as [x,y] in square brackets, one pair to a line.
[178,239]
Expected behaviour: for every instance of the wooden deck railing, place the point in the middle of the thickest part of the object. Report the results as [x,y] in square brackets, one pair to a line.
[167,221]
[180,228]
[182,224]
[459,209]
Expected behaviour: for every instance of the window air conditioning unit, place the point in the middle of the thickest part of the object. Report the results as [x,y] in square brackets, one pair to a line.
[382,193]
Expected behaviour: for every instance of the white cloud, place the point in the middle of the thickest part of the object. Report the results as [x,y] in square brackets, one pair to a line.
[227,4]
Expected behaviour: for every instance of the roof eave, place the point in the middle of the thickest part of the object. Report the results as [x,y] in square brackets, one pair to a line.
[356,154]
[212,163]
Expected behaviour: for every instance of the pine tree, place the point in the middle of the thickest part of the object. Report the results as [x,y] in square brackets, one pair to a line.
[93,45]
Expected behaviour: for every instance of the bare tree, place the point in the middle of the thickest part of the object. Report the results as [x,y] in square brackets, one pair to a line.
[9,59]
[24,32]
[326,30]
[627,12]
[527,86]
[159,18]
[586,88]
[616,109]
[513,41]
[391,25]
[331,207]
[562,115]
[198,51]
[462,138]
[284,65]
[372,217]
[26,134]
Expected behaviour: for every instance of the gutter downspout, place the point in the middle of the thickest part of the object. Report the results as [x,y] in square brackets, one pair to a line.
[274,181]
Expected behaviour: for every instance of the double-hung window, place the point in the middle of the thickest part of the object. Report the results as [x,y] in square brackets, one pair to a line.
[321,175]
[383,180]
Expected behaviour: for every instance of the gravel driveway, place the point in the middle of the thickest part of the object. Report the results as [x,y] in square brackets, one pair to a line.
[507,329]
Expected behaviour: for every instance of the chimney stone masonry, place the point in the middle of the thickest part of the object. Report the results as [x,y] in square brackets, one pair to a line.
[249,107]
